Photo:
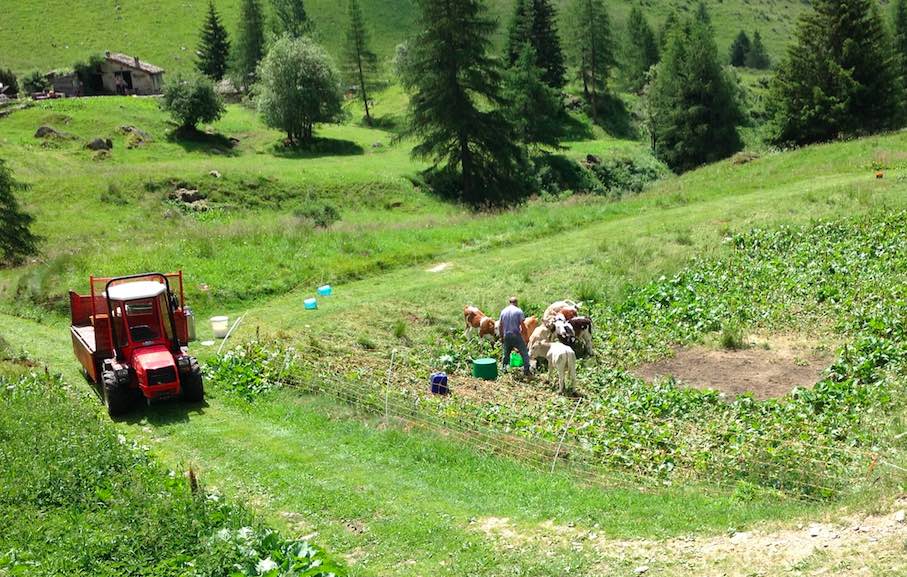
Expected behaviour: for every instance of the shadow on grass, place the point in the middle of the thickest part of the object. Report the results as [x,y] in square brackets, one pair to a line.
[577,130]
[318,148]
[614,117]
[194,140]
[168,412]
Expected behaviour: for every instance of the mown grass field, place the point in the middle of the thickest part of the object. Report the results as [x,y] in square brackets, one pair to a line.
[392,500]
[165,32]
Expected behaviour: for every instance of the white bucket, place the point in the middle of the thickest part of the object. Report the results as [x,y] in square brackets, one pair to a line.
[220,326]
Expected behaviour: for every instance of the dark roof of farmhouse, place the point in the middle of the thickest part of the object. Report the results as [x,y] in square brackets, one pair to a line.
[133,62]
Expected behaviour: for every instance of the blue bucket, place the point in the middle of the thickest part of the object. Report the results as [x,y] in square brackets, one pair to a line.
[310,304]
[325,290]
[438,384]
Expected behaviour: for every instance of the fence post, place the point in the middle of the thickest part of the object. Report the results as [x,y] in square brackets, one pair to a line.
[557,453]
[387,386]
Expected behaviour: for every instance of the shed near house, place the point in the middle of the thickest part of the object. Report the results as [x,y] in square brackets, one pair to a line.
[123,74]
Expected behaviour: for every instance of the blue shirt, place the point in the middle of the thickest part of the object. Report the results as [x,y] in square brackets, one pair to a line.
[511,320]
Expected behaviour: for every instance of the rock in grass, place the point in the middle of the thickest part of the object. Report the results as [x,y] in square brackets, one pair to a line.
[900,516]
[641,569]
[100,144]
[46,131]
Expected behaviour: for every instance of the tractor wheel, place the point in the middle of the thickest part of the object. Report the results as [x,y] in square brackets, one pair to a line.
[193,388]
[116,398]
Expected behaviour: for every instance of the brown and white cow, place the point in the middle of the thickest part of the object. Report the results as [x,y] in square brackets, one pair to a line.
[582,328]
[528,327]
[480,323]
[568,309]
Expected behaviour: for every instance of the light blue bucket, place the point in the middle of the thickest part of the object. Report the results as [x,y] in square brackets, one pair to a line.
[325,290]
[310,304]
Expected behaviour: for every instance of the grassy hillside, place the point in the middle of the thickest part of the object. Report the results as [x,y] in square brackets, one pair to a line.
[53,34]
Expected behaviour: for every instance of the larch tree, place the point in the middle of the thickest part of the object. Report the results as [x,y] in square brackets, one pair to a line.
[361,62]
[641,50]
[535,22]
[17,241]
[591,48]
[456,107]
[291,18]
[695,111]
[841,77]
[249,48]
[214,46]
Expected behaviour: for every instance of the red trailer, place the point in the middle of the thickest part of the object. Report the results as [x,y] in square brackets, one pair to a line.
[131,336]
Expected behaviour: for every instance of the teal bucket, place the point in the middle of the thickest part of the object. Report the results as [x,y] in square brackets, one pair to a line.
[325,290]
[310,304]
[485,369]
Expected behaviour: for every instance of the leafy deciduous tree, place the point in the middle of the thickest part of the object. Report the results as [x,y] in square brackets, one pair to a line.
[290,18]
[191,100]
[299,87]
[9,82]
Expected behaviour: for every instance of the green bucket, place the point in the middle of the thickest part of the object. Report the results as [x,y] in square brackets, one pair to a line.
[516,360]
[485,369]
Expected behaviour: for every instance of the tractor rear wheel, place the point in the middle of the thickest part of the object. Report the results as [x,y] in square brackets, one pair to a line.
[193,387]
[116,398]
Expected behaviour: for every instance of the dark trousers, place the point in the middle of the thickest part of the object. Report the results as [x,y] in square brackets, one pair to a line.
[516,342]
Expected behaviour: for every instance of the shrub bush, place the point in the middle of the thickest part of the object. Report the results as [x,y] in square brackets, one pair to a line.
[322,215]
[191,100]
[10,82]
[251,369]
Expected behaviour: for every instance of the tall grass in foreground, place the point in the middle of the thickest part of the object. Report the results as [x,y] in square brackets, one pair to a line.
[78,499]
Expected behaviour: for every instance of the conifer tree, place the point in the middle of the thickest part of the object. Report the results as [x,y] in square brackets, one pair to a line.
[534,21]
[214,46]
[534,108]
[641,51]
[693,101]
[360,60]
[740,49]
[519,31]
[16,238]
[455,111]
[840,78]
[290,18]
[899,26]
[250,43]
[666,28]
[758,57]
[591,48]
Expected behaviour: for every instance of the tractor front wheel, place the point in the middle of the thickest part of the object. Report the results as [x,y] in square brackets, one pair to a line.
[116,398]
[193,387]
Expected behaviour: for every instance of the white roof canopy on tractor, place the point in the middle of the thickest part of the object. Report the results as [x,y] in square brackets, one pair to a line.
[135,290]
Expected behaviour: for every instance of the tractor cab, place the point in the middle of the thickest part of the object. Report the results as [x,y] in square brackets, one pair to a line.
[131,336]
[143,334]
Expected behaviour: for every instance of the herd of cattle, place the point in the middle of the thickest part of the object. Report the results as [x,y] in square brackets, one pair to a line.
[556,338]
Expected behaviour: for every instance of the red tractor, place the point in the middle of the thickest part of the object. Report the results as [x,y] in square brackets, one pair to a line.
[130,334]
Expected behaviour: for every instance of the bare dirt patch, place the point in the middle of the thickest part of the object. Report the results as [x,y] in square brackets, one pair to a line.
[767,368]
[441,267]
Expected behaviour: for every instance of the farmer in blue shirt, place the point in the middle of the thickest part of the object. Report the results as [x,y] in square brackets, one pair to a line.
[511,336]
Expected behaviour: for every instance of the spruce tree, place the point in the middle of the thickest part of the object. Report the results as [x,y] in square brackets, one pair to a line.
[840,78]
[360,60]
[899,26]
[519,31]
[591,48]
[290,18]
[214,46]
[547,43]
[534,21]
[666,29]
[534,108]
[694,102]
[641,51]
[740,49]
[758,57]
[16,238]
[455,111]
[250,43]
